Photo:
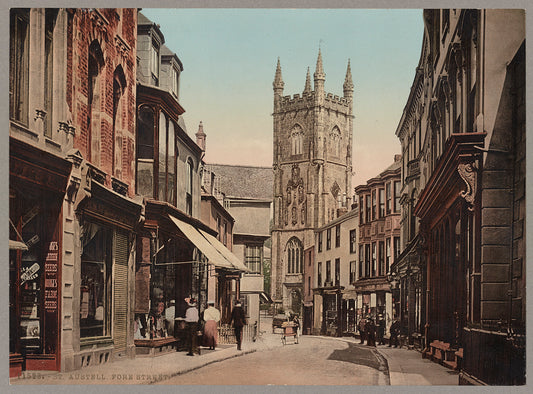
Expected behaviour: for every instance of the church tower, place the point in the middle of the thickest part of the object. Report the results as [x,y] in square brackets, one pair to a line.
[312,162]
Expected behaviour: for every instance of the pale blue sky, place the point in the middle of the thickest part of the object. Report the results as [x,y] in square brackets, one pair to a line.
[230,55]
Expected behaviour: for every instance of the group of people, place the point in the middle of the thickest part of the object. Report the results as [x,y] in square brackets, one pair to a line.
[211,317]
[374,332]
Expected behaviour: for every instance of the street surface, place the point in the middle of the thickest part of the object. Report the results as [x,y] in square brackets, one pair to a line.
[314,361]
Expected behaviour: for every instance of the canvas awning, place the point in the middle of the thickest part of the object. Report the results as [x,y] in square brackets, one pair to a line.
[17,245]
[234,260]
[213,255]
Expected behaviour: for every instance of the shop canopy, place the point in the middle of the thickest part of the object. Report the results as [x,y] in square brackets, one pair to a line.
[234,260]
[214,256]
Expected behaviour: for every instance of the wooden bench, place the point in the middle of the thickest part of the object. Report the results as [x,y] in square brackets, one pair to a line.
[438,351]
[155,347]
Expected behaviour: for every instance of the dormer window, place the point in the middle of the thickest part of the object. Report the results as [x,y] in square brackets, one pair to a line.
[154,63]
[174,81]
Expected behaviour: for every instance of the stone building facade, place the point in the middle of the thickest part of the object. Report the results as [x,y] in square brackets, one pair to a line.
[463,133]
[379,244]
[312,174]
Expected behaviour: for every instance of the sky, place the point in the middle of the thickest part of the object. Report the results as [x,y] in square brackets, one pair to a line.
[230,56]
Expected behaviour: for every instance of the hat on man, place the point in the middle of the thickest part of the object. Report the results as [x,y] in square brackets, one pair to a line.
[210,302]
[191,302]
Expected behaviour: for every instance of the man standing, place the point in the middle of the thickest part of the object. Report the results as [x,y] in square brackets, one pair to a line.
[381,330]
[362,329]
[211,318]
[191,319]
[239,320]
[394,332]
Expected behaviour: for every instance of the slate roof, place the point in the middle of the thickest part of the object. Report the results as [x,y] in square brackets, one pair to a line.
[245,181]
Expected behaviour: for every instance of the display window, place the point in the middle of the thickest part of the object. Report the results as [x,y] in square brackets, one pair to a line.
[95,287]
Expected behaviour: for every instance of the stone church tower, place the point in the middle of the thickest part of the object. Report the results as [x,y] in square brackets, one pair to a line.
[312,174]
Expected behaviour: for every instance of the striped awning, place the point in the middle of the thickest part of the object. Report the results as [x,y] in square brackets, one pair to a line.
[213,255]
[234,260]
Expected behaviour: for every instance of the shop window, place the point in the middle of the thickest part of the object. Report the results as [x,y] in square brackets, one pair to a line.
[95,287]
[145,152]
[328,239]
[19,65]
[337,235]
[294,256]
[252,258]
[353,241]
[319,274]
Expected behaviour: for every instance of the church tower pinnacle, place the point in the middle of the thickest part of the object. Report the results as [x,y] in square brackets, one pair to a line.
[348,83]
[320,76]
[201,136]
[278,83]
[307,88]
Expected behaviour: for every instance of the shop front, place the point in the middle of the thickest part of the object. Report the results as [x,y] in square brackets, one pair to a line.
[37,187]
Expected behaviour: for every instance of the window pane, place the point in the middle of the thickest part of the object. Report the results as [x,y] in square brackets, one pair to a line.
[162,157]
[171,182]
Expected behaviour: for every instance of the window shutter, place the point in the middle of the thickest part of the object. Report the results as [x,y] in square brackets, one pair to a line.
[120,294]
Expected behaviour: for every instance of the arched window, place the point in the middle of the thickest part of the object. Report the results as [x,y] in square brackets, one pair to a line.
[94,66]
[335,141]
[296,140]
[119,86]
[294,256]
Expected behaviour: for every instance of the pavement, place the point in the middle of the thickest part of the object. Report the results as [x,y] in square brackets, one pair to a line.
[406,367]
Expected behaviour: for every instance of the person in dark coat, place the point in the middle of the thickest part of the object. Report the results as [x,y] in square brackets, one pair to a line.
[191,319]
[394,332]
[381,330]
[239,320]
[362,329]
[370,332]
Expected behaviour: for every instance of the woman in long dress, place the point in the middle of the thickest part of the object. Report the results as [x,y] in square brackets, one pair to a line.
[211,318]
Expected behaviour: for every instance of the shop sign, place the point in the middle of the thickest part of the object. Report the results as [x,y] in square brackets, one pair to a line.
[29,273]
[50,282]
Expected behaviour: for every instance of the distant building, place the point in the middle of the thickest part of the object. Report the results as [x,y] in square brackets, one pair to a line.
[247,195]
[335,262]
[312,175]
[379,243]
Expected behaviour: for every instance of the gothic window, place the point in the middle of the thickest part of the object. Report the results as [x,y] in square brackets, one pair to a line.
[119,86]
[294,256]
[50,19]
[95,65]
[19,65]
[296,136]
[335,141]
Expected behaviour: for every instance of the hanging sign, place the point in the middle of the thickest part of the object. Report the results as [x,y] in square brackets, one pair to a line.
[50,282]
[29,273]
